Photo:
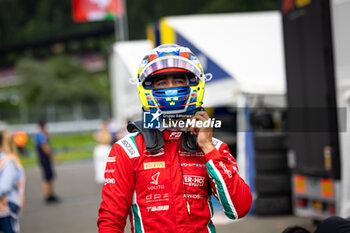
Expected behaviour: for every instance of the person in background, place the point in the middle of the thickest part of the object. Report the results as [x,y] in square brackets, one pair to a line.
[101,151]
[45,156]
[113,129]
[12,181]
[295,229]
[122,132]
[333,224]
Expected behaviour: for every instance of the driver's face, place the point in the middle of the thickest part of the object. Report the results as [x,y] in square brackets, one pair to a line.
[170,81]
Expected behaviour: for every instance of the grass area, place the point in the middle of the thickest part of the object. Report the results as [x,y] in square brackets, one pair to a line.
[68,146]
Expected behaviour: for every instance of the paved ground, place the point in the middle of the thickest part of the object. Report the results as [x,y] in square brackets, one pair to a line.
[81,197]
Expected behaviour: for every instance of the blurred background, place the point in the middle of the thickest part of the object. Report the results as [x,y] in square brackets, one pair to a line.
[280,71]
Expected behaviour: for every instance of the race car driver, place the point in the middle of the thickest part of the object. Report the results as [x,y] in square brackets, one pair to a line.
[162,177]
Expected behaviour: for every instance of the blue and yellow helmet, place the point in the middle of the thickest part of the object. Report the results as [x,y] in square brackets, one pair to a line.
[171,59]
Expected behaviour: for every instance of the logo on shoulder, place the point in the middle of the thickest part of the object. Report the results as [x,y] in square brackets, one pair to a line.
[128,147]
[151,120]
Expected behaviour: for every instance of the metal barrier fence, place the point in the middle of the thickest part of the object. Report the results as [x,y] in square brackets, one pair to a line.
[55,113]
[67,118]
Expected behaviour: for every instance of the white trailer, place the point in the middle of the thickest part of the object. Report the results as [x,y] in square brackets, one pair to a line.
[317,52]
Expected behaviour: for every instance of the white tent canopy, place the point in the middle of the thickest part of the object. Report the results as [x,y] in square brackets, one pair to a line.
[249,46]
[124,62]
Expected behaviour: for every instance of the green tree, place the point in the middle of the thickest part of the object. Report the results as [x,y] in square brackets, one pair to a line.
[60,80]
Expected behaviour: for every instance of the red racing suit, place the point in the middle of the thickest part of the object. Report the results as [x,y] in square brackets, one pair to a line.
[153,187]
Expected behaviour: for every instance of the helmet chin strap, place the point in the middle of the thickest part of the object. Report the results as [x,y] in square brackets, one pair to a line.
[190,113]
[154,140]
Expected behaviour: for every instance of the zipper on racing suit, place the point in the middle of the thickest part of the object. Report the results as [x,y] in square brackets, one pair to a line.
[183,178]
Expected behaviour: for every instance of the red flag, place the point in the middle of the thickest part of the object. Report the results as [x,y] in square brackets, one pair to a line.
[96,10]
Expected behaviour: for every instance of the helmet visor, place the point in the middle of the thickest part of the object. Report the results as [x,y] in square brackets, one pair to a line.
[169,62]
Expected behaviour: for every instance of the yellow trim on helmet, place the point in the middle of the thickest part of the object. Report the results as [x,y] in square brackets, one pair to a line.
[199,89]
[200,92]
[142,95]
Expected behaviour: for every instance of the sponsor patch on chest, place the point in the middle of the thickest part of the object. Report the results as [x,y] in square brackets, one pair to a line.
[194,180]
[151,165]
[157,197]
[193,165]
[185,153]
[157,208]
[175,135]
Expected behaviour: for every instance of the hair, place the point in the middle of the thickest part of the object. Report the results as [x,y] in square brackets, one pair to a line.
[295,229]
[8,145]
[42,123]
